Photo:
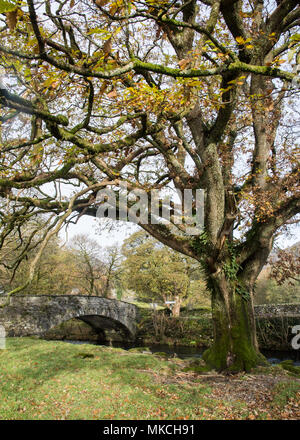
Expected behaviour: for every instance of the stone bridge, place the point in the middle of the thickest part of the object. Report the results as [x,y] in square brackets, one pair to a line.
[28,315]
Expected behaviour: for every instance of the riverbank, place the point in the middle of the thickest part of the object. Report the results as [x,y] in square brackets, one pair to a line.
[54,380]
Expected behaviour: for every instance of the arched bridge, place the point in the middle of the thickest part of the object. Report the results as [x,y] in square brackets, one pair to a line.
[28,315]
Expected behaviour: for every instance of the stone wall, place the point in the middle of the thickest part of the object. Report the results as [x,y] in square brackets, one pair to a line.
[277,310]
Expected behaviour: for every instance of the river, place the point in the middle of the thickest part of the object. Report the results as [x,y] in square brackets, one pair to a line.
[183,352]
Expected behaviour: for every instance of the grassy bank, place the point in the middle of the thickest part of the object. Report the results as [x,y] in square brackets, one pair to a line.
[55,380]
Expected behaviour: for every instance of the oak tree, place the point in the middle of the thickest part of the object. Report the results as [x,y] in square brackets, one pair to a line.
[184,94]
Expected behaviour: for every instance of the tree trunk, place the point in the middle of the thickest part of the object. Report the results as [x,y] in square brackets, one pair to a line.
[176,307]
[235,345]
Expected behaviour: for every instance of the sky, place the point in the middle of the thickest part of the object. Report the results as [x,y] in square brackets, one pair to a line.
[90,226]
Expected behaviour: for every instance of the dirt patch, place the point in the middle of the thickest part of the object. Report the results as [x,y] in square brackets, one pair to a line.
[242,394]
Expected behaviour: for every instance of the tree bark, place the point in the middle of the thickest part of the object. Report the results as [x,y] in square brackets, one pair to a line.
[176,307]
[235,345]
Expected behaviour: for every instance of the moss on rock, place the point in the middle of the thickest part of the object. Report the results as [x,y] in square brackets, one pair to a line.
[289,366]
[161,354]
[84,355]
[140,350]
[197,366]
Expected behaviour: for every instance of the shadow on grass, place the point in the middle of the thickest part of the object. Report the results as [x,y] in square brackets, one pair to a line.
[39,361]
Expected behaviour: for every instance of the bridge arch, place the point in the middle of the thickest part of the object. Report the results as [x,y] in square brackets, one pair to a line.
[28,315]
[105,328]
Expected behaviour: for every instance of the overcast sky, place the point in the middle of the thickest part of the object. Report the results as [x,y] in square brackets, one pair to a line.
[89,225]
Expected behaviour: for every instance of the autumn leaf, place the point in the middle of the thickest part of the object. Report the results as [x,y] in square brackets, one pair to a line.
[11,19]
[107,46]
[112,94]
[240,40]
[295,37]
[7,6]
[101,2]
[183,63]
[114,8]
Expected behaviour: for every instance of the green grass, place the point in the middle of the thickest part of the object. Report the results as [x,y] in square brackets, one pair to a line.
[56,380]
[144,305]
[285,391]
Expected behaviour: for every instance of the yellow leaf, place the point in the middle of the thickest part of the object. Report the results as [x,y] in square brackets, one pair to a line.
[240,40]
[7,5]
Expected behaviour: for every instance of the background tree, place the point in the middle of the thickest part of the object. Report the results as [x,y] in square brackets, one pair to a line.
[54,271]
[157,273]
[89,270]
[61,270]
[279,280]
[187,94]
[269,292]
[113,272]
[285,265]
